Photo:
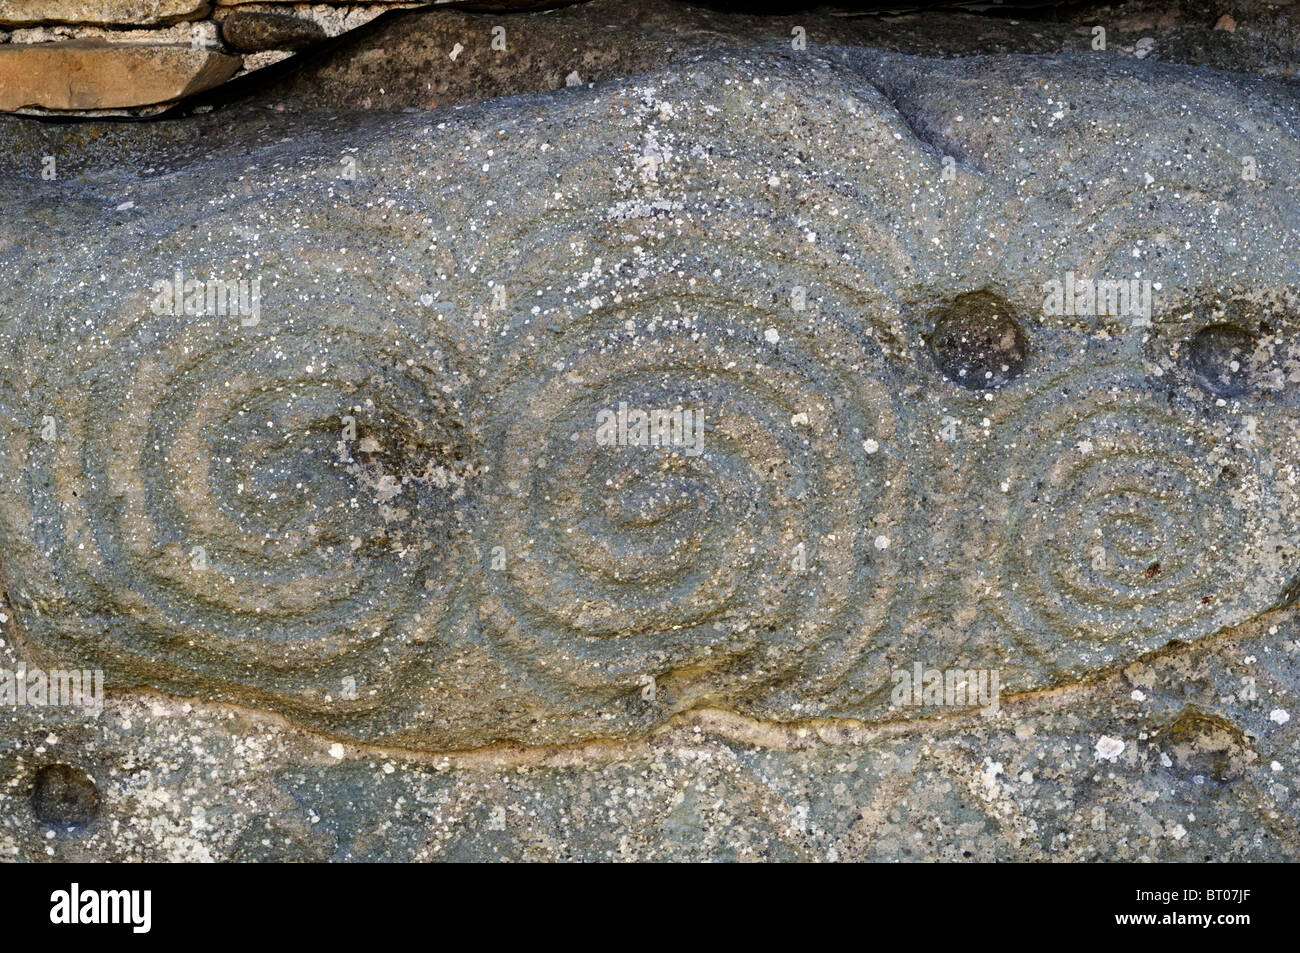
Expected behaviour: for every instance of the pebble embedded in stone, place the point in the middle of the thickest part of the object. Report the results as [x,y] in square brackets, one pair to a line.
[1220,359]
[65,795]
[1206,745]
[977,343]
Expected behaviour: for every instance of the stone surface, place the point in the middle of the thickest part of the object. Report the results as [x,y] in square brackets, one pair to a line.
[366,586]
[440,57]
[64,796]
[100,12]
[253,31]
[445,56]
[465,52]
[977,341]
[192,782]
[86,74]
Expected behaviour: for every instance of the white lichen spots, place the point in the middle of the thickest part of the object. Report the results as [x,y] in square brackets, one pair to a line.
[1108,749]
[1279,716]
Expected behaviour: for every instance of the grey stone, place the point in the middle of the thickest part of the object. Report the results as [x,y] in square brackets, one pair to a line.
[363,523]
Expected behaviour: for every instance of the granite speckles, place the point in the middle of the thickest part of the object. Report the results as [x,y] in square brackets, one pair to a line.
[369,522]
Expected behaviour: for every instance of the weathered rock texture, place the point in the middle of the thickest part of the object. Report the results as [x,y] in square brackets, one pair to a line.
[86,74]
[253,31]
[446,56]
[443,55]
[120,59]
[100,12]
[188,782]
[363,524]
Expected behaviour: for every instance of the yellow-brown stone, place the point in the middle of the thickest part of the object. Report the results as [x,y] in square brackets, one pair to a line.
[99,12]
[90,74]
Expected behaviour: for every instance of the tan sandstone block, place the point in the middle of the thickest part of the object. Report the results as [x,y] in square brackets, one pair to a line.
[99,12]
[89,74]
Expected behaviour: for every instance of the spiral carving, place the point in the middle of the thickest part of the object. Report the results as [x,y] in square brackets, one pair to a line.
[220,509]
[1122,516]
[388,509]
[770,545]
[763,565]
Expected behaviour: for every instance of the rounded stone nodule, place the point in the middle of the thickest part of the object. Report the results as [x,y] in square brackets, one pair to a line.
[977,343]
[1219,356]
[65,795]
[256,31]
[1207,747]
